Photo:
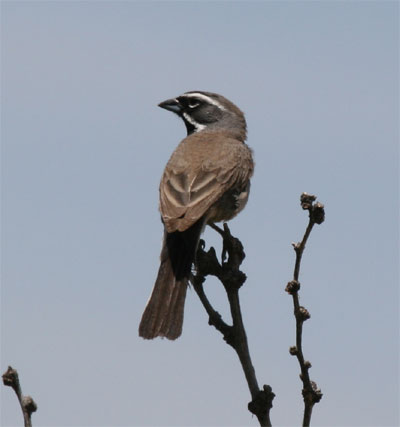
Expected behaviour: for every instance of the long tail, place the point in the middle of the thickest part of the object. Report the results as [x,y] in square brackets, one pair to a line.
[163,315]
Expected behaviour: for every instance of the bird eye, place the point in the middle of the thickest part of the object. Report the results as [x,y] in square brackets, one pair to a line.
[193,103]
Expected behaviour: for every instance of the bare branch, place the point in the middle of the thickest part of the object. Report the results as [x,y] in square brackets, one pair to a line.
[232,278]
[28,406]
[311,393]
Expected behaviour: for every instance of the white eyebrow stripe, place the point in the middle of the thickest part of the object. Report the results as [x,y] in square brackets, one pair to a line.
[196,125]
[205,98]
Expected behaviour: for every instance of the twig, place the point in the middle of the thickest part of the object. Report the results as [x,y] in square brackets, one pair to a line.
[28,406]
[235,335]
[311,393]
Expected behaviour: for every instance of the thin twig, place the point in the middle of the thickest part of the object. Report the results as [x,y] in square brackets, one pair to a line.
[28,406]
[311,393]
[235,335]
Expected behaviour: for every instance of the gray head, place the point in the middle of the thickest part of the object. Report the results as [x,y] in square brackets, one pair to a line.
[206,111]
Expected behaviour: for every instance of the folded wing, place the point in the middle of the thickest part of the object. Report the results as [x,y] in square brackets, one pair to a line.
[187,193]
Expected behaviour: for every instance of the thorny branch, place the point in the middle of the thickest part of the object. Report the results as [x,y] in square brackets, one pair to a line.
[235,335]
[28,406]
[311,393]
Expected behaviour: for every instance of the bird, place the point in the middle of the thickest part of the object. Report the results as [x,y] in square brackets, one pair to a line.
[206,180]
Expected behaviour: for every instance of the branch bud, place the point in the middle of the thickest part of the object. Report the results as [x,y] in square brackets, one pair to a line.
[29,404]
[317,394]
[318,213]
[304,314]
[307,200]
[292,287]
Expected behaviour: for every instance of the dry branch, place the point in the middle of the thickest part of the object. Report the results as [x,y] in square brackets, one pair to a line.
[311,393]
[232,278]
[28,406]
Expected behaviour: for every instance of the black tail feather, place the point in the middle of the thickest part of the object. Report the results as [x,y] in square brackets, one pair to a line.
[163,315]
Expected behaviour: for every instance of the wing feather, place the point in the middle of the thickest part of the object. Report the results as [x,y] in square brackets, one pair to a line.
[197,176]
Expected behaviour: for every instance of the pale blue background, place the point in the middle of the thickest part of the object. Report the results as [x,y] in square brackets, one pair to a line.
[84,146]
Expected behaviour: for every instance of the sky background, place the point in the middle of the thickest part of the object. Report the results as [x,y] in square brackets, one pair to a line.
[83,149]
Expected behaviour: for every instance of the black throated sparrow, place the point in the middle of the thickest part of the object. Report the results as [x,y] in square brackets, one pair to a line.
[206,180]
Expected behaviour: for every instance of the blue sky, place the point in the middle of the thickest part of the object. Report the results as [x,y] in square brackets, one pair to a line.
[83,148]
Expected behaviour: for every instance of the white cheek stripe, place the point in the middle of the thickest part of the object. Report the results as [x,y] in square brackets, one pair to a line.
[196,125]
[205,98]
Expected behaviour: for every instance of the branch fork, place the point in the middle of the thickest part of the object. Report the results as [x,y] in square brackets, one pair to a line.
[229,273]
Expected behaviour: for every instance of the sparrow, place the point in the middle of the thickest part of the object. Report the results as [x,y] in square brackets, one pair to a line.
[206,180]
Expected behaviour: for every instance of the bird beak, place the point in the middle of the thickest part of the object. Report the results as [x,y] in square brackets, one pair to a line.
[171,105]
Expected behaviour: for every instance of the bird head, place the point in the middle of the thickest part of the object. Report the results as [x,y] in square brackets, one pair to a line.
[206,111]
